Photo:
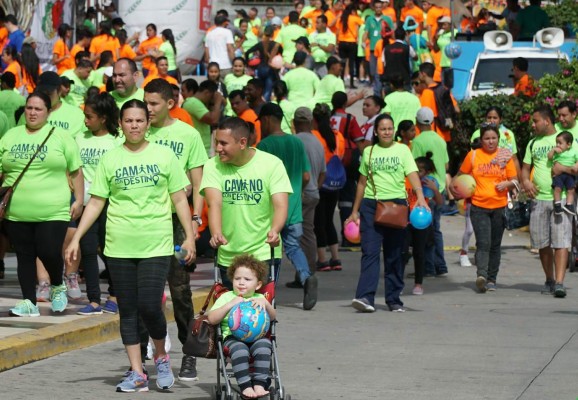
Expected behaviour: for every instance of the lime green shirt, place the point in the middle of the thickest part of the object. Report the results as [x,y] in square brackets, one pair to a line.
[92,148]
[10,101]
[250,40]
[233,82]
[443,41]
[567,158]
[4,124]
[286,36]
[389,167]
[538,156]
[197,109]
[169,52]
[401,106]
[78,89]
[138,95]
[324,39]
[327,88]
[507,139]
[559,128]
[43,193]
[247,209]
[301,84]
[96,78]
[138,187]
[224,299]
[288,109]
[431,141]
[68,118]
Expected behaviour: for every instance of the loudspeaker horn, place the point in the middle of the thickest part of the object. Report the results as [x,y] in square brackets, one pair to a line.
[498,40]
[550,38]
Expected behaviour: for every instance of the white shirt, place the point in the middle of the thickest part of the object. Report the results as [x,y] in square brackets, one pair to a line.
[216,41]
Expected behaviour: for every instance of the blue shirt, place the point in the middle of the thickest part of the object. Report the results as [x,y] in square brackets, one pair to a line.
[15,39]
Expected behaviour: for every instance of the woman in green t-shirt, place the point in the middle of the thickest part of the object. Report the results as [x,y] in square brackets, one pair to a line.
[169,50]
[140,180]
[38,215]
[387,163]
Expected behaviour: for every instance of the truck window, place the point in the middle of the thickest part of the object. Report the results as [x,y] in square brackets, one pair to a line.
[497,72]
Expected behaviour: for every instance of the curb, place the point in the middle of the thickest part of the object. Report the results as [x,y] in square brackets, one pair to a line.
[46,342]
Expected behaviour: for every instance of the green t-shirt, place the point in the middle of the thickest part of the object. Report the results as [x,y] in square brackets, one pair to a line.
[443,40]
[324,39]
[43,193]
[92,148]
[360,48]
[538,156]
[507,139]
[247,211]
[368,12]
[301,84]
[10,101]
[530,20]
[138,95]
[250,40]
[233,82]
[286,38]
[389,167]
[224,299]
[431,141]
[401,106]
[327,88]
[88,24]
[288,109]
[96,77]
[166,48]
[68,118]
[4,123]
[78,88]
[567,158]
[138,187]
[197,109]
[291,152]
[373,29]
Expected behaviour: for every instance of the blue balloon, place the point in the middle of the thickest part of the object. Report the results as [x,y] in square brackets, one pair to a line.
[427,192]
[420,218]
[453,50]
[248,323]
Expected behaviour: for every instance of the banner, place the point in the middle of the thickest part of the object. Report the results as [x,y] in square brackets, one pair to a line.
[48,15]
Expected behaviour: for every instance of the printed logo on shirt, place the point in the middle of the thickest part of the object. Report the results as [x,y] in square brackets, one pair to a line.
[539,153]
[59,124]
[387,164]
[90,156]
[137,176]
[490,169]
[243,191]
[26,151]
[176,147]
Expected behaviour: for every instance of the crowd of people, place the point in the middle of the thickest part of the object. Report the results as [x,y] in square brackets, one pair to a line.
[261,152]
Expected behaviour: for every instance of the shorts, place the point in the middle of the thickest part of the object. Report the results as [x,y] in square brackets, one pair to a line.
[548,229]
[564,181]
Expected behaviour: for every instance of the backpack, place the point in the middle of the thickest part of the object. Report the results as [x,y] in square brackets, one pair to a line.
[335,177]
[446,112]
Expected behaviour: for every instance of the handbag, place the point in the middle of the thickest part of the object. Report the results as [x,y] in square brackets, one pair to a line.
[7,191]
[517,213]
[202,336]
[387,213]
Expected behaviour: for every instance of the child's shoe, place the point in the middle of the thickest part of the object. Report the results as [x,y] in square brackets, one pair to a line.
[558,208]
[569,208]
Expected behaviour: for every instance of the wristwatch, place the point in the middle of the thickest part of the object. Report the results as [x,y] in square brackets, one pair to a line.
[197,219]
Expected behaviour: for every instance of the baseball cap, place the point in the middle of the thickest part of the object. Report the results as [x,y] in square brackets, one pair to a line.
[66,81]
[424,116]
[271,109]
[276,21]
[445,19]
[303,114]
[29,40]
[49,80]
[302,40]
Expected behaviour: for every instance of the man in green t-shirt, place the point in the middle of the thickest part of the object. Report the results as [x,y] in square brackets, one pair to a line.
[10,100]
[205,110]
[248,203]
[291,151]
[567,118]
[301,82]
[373,32]
[323,43]
[401,104]
[187,145]
[551,234]
[286,38]
[331,84]
[124,77]
[80,83]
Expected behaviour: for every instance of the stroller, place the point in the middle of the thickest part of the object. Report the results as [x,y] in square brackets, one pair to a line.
[224,389]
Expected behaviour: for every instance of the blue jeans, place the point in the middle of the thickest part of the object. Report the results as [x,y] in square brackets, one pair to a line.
[291,235]
[268,76]
[377,87]
[435,261]
[373,238]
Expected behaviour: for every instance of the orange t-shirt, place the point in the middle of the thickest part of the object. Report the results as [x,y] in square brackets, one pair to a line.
[312,16]
[16,69]
[332,20]
[144,47]
[339,145]
[433,14]
[250,116]
[3,37]
[127,52]
[488,172]
[350,35]
[102,43]
[181,114]
[414,12]
[525,86]
[74,51]
[26,80]
[167,78]
[61,49]
[427,99]
[390,12]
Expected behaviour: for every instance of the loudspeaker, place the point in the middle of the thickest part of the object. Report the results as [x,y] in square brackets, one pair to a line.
[498,40]
[550,38]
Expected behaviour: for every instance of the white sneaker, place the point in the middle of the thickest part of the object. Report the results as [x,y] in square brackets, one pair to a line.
[72,288]
[465,261]
[167,344]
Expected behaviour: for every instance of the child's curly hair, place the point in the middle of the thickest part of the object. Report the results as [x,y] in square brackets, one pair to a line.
[248,261]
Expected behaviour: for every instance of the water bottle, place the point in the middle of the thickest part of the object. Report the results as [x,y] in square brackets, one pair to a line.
[180,254]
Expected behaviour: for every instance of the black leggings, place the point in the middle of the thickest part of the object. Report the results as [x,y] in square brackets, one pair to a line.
[139,285]
[348,51]
[89,244]
[324,227]
[41,240]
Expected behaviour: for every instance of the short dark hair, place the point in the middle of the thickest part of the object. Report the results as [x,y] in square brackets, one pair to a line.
[161,58]
[8,79]
[397,81]
[293,17]
[323,18]
[566,136]
[521,63]
[428,69]
[239,128]
[257,83]
[545,111]
[12,19]
[338,100]
[161,87]
[568,104]
[280,89]
[191,85]
[131,64]
[83,63]
[208,85]
[81,55]
[236,93]
[399,33]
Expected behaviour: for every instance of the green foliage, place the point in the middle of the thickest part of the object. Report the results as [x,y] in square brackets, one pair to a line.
[563,14]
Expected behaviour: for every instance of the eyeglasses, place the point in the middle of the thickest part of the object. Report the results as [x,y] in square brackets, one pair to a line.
[488,125]
[415,83]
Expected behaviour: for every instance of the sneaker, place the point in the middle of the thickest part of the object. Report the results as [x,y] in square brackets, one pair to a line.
[134,382]
[323,266]
[294,285]
[310,293]
[165,377]
[58,297]
[90,310]
[110,307]
[188,372]
[491,286]
[569,208]
[481,284]
[43,292]
[167,343]
[362,305]
[149,355]
[25,308]
[465,260]
[441,274]
[72,288]
[335,265]
[559,291]
[548,287]
[396,308]
[449,210]
[558,209]
[417,290]
[129,371]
